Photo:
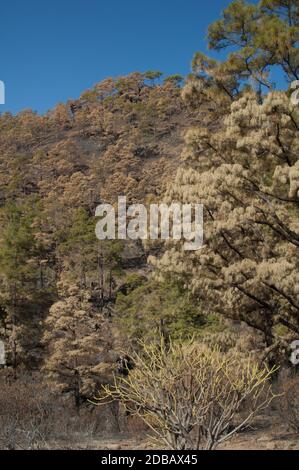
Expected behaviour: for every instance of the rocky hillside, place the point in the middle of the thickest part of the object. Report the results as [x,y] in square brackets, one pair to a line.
[123,137]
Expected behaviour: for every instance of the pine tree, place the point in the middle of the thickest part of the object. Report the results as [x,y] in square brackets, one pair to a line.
[21,262]
[242,164]
[79,346]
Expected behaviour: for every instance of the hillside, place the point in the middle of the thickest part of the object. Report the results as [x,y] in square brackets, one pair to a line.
[123,137]
[113,338]
[120,137]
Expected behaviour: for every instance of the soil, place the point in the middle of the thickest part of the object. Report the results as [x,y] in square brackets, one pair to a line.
[262,436]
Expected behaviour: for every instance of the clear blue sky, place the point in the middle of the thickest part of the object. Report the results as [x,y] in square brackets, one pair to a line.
[54,50]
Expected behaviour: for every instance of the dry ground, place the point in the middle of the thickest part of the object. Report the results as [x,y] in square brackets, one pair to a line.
[261,436]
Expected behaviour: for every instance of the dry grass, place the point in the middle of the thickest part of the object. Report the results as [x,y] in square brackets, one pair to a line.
[33,417]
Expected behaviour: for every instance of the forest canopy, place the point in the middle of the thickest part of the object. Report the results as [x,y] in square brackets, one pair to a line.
[74,309]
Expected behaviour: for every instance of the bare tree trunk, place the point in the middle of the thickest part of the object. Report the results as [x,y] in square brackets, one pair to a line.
[77,397]
[101,274]
[115,411]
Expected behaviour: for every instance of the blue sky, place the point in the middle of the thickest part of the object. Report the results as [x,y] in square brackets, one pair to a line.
[53,50]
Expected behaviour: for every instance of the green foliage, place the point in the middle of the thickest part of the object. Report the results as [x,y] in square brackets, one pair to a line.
[19,250]
[24,294]
[258,38]
[152,76]
[148,306]
[175,79]
[90,95]
[236,28]
[261,36]
[82,251]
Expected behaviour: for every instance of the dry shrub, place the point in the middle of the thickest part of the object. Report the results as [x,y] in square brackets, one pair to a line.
[26,414]
[288,403]
[135,425]
[192,396]
[33,417]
